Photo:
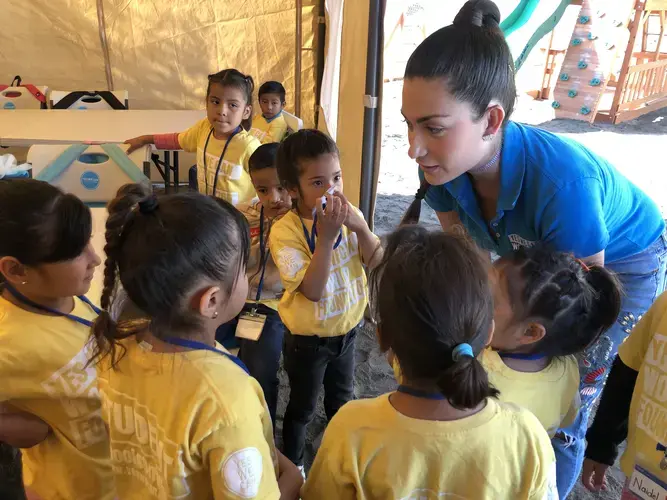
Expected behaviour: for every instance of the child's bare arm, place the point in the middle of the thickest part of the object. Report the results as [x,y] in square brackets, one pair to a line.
[21,430]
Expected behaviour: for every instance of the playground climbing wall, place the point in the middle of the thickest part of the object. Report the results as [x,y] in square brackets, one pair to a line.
[600,33]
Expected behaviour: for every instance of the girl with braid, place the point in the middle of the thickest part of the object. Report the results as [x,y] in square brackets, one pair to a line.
[185,420]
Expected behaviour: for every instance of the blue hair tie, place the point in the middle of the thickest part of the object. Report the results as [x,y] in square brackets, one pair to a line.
[462,350]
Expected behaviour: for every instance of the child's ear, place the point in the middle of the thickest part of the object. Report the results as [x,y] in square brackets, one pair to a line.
[492,330]
[247,112]
[210,301]
[534,332]
[13,270]
[293,193]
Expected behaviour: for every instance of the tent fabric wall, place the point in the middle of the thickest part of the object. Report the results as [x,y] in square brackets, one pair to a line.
[160,51]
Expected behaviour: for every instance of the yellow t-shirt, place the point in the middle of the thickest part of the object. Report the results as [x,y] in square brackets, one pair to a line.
[273,130]
[186,425]
[344,301]
[43,372]
[234,184]
[370,450]
[551,394]
[645,351]
[272,289]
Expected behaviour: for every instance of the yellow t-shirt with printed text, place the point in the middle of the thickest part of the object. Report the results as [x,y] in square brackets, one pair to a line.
[370,450]
[273,130]
[344,301]
[272,287]
[552,394]
[234,184]
[645,350]
[186,425]
[43,372]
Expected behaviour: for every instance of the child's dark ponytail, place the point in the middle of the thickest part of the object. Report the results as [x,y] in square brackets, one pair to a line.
[413,212]
[106,329]
[434,308]
[606,301]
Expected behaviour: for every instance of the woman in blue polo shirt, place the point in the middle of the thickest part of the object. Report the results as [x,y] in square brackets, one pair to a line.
[510,185]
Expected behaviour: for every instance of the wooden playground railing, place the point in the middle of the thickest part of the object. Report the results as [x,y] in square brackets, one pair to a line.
[645,84]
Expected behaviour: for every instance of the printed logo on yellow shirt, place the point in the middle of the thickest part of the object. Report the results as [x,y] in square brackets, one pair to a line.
[141,449]
[74,385]
[652,412]
[290,261]
[243,472]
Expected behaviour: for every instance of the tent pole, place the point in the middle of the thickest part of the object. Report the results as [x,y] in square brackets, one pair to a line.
[297,59]
[321,42]
[373,55]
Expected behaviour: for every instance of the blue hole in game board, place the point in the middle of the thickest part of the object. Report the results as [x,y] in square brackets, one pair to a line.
[93,158]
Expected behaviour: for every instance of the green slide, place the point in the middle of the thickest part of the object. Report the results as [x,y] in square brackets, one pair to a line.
[520,16]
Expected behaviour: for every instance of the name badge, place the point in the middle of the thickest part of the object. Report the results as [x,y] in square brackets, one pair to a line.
[250,325]
[643,485]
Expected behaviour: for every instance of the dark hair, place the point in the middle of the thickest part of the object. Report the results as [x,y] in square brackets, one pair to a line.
[471,56]
[263,157]
[429,294]
[234,78]
[574,303]
[39,224]
[158,249]
[306,144]
[272,87]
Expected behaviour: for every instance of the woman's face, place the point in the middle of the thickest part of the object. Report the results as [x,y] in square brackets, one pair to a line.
[445,138]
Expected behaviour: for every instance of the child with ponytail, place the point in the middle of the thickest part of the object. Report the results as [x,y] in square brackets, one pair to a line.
[185,419]
[442,432]
[221,140]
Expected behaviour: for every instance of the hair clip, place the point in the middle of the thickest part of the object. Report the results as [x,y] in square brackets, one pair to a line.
[584,266]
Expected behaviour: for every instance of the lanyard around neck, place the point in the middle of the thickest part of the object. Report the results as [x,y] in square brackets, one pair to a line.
[518,355]
[200,346]
[222,157]
[421,394]
[26,301]
[311,237]
[263,255]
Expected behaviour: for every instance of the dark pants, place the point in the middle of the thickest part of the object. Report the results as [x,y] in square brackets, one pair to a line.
[192,178]
[261,356]
[310,362]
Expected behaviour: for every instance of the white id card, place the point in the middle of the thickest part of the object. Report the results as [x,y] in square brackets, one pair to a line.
[250,325]
[644,485]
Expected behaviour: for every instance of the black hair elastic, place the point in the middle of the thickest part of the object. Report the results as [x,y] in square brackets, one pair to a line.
[421,192]
[149,204]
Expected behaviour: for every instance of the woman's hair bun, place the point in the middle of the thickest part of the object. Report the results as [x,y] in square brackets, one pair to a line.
[480,13]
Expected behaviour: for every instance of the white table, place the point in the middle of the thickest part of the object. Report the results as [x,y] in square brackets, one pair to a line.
[25,127]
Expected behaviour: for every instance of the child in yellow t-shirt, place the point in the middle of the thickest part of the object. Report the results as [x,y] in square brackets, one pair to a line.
[185,419]
[270,124]
[221,141]
[442,433]
[549,306]
[49,402]
[634,406]
[320,255]
[258,330]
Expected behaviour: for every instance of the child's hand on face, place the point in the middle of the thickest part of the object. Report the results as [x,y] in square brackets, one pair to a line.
[331,219]
[354,221]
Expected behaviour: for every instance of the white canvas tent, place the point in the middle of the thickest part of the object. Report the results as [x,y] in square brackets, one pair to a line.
[161,51]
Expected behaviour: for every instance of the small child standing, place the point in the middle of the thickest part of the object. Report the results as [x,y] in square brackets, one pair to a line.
[185,419]
[634,406]
[258,328]
[270,124]
[221,141]
[320,254]
[442,433]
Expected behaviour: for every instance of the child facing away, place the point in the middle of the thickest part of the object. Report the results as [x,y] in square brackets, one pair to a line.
[549,306]
[221,141]
[49,403]
[442,433]
[185,419]
[634,406]
[258,328]
[270,124]
[320,254]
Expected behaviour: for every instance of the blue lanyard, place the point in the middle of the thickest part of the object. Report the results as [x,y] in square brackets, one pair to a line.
[222,156]
[518,355]
[311,238]
[199,346]
[25,300]
[263,254]
[420,394]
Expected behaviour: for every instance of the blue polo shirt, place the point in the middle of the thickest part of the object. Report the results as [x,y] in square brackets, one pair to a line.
[556,191]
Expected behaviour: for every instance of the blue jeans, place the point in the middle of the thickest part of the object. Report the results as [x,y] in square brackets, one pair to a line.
[643,279]
[261,356]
